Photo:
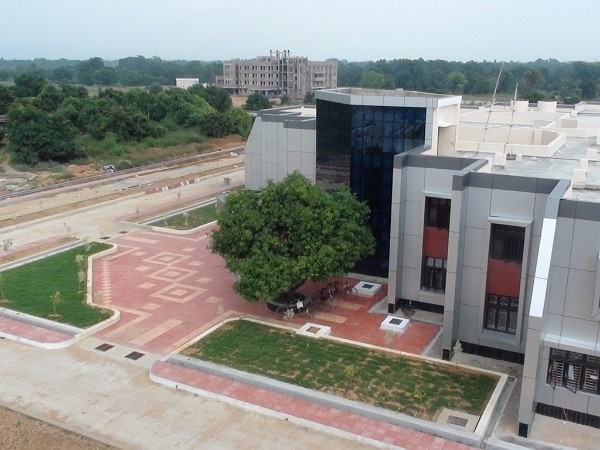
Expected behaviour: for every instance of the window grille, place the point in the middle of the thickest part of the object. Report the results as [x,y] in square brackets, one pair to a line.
[573,371]
[502,313]
[433,273]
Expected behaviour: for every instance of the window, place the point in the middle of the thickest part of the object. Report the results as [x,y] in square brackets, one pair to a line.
[501,313]
[437,212]
[433,274]
[507,242]
[574,371]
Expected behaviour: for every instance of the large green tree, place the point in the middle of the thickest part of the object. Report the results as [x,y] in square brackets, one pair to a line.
[256,101]
[290,232]
[36,135]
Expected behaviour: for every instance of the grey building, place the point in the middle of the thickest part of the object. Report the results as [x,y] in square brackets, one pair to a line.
[506,249]
[278,74]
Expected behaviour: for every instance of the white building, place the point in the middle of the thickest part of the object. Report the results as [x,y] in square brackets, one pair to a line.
[185,83]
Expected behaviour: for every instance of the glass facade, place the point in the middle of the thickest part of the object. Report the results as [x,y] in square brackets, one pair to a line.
[355,147]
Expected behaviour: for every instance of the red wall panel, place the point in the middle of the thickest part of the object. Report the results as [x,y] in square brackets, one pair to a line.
[435,243]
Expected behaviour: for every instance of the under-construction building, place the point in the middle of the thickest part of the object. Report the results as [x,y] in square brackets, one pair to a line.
[277,74]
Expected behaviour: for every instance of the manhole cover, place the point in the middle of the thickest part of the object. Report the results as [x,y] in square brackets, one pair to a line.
[367,286]
[134,355]
[104,347]
[459,421]
[396,321]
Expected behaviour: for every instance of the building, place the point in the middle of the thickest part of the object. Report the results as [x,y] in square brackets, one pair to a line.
[185,83]
[277,74]
[490,217]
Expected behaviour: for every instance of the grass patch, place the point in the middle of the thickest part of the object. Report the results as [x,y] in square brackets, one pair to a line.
[408,385]
[190,219]
[29,288]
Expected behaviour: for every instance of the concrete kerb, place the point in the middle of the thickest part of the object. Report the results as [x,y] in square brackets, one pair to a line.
[474,439]
[42,323]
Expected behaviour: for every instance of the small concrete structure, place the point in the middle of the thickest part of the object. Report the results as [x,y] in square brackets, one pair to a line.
[458,419]
[186,83]
[314,330]
[395,324]
[367,288]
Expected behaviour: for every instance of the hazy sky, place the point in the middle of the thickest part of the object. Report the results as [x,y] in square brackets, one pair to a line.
[356,30]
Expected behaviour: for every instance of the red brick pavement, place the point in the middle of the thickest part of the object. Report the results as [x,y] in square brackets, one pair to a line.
[170,288]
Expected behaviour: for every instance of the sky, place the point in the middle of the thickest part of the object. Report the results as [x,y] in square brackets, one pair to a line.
[353,30]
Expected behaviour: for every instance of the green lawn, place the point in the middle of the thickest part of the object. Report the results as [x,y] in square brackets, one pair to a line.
[29,288]
[190,219]
[408,385]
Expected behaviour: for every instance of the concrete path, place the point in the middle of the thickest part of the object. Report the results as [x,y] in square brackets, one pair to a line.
[112,400]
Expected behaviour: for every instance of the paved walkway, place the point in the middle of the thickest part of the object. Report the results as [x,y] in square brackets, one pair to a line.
[170,288]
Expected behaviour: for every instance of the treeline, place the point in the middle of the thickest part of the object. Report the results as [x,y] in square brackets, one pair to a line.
[568,82]
[44,120]
[132,71]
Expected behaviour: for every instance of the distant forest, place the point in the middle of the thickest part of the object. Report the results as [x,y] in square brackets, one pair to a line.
[566,82]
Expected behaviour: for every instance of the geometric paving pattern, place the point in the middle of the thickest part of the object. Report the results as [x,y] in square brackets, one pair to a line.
[180,293]
[173,274]
[167,298]
[166,258]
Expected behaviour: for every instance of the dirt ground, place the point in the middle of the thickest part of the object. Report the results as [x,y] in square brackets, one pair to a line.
[21,432]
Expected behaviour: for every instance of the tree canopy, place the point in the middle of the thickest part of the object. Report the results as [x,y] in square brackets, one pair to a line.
[256,102]
[45,121]
[290,232]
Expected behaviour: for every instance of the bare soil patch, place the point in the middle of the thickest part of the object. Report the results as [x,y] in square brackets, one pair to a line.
[18,431]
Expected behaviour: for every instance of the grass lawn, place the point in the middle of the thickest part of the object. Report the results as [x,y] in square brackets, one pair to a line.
[190,219]
[29,288]
[398,383]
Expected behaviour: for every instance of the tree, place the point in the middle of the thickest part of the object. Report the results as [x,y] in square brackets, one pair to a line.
[292,231]
[36,135]
[456,82]
[242,121]
[215,96]
[375,80]
[55,299]
[309,97]
[256,101]
[6,99]
[217,124]
[28,86]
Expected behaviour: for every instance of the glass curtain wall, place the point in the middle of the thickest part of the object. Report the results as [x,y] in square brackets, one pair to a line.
[355,148]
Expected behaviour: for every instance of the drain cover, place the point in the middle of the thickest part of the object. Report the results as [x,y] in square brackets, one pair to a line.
[460,421]
[134,355]
[104,347]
